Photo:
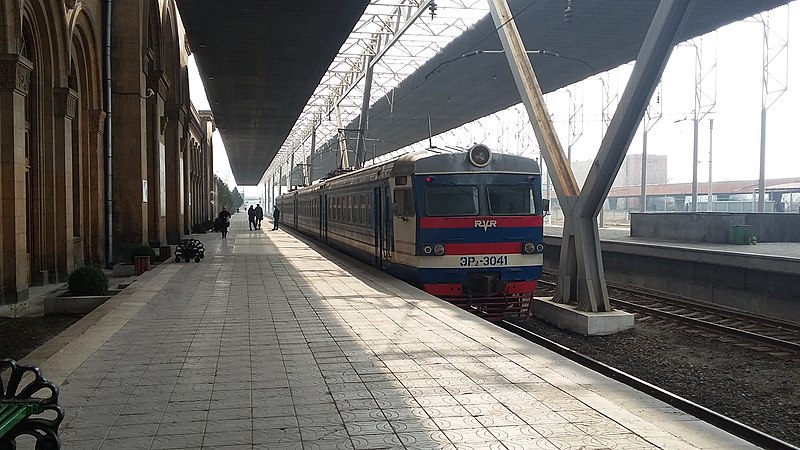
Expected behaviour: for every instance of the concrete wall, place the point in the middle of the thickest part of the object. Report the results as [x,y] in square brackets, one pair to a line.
[756,284]
[715,227]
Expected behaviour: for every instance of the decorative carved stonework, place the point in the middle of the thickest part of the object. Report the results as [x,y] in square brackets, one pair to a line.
[65,103]
[15,73]
[158,82]
[70,4]
[97,121]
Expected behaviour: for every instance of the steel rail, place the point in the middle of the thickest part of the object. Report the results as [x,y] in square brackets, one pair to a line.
[704,324]
[707,307]
[699,323]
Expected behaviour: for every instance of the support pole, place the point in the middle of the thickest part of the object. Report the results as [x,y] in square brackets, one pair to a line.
[643,194]
[344,159]
[762,174]
[710,178]
[695,155]
[363,121]
[311,155]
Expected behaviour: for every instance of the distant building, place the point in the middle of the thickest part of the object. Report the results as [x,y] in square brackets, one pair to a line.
[630,174]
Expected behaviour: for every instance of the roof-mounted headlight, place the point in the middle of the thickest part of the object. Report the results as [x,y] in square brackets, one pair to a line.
[480,155]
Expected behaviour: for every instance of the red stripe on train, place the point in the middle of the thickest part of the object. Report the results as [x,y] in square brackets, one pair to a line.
[485,248]
[480,222]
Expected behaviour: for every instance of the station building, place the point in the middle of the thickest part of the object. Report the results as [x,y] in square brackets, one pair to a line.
[85,178]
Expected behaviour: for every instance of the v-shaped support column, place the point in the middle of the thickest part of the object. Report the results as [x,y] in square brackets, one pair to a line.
[581,277]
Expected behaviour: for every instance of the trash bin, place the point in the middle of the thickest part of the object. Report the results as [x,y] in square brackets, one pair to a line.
[742,234]
[141,264]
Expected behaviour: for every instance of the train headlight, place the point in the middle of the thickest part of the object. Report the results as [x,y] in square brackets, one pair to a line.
[439,250]
[530,247]
[427,249]
[480,155]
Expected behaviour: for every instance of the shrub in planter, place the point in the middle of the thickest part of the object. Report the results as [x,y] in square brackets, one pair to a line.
[199,228]
[88,281]
[143,250]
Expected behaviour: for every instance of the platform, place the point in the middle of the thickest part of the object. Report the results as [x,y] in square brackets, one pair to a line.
[273,343]
[758,279]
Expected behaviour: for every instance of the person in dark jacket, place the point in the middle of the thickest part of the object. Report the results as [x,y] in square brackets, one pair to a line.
[251,217]
[259,216]
[276,215]
[224,221]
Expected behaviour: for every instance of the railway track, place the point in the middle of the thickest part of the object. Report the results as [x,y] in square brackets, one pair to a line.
[758,333]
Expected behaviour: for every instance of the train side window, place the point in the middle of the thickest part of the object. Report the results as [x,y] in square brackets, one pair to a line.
[403,202]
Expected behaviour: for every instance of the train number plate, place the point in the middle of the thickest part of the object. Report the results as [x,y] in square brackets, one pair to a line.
[483,261]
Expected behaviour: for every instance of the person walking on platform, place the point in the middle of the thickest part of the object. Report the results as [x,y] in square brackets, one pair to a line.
[259,215]
[251,217]
[276,215]
[224,221]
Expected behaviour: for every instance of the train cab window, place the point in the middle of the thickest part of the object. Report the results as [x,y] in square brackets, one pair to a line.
[461,200]
[403,203]
[511,200]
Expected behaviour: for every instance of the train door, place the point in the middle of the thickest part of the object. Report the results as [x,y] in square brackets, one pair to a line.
[387,228]
[404,222]
[379,228]
[296,212]
[324,216]
[320,213]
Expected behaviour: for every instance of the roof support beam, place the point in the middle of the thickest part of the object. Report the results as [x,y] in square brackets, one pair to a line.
[656,49]
[567,189]
[581,277]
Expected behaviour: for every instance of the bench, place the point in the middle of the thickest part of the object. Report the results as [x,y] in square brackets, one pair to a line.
[28,406]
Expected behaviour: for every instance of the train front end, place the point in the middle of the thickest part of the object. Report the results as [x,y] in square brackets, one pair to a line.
[480,238]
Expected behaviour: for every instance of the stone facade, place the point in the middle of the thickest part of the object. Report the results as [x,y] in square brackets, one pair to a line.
[54,177]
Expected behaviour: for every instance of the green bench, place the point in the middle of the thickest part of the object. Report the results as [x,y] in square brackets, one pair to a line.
[28,406]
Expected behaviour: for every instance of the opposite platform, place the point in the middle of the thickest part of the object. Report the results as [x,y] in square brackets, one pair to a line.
[273,343]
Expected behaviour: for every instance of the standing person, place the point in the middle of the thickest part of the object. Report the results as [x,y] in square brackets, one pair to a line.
[276,214]
[259,216]
[251,217]
[224,221]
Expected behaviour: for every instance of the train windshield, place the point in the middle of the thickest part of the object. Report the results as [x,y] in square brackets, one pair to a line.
[511,200]
[455,200]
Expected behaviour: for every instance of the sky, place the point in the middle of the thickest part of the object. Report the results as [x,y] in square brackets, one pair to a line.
[736,110]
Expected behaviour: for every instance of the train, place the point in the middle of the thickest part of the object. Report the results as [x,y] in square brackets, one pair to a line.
[464,224]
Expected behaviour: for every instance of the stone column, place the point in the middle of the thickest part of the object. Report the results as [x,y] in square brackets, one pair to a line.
[176,118]
[15,79]
[65,105]
[129,168]
[156,157]
[95,188]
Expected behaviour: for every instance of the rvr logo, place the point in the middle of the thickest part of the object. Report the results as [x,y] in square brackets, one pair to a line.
[485,224]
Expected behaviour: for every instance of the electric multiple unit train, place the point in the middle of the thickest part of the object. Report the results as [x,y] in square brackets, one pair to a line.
[465,226]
